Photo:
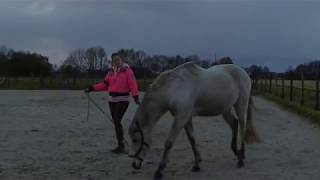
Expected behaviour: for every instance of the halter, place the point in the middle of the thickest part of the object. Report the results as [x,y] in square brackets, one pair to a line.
[143,143]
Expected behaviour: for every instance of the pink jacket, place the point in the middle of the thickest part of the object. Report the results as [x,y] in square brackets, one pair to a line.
[120,80]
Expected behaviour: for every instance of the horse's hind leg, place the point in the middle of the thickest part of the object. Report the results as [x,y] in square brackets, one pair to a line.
[197,157]
[241,108]
[178,124]
[232,121]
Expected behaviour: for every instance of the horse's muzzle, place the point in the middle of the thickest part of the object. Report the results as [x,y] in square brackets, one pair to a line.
[136,165]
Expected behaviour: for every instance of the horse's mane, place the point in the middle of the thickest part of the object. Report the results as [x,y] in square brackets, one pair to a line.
[184,71]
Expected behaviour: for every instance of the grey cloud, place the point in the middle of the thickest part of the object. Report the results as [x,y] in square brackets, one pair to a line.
[261,32]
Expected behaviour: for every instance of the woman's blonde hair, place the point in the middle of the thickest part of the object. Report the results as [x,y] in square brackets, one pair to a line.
[122,57]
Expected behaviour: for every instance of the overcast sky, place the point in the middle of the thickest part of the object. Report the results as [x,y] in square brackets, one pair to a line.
[274,33]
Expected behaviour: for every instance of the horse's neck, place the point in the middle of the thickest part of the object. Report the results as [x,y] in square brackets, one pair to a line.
[150,119]
[149,124]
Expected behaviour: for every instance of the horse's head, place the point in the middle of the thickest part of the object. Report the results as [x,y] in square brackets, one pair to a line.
[139,144]
[140,130]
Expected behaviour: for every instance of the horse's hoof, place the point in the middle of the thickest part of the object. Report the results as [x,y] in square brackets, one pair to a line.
[235,153]
[157,176]
[240,164]
[136,166]
[195,169]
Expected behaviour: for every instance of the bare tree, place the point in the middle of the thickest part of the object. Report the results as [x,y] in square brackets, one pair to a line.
[4,50]
[92,59]
[102,58]
[88,60]
[77,59]
[140,57]
[97,58]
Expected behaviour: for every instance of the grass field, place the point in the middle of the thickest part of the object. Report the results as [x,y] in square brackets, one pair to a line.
[308,99]
[308,84]
[305,111]
[57,83]
[303,104]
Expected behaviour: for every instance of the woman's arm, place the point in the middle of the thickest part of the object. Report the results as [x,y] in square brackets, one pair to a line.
[102,86]
[133,86]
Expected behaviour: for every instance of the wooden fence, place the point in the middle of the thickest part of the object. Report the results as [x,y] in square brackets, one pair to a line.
[301,91]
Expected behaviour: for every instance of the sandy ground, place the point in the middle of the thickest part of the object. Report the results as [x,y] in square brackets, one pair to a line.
[45,135]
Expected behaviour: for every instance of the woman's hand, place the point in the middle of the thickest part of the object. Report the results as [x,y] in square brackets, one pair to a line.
[88,90]
[136,99]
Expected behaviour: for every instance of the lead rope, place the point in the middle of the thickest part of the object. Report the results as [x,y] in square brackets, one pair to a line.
[101,110]
[98,107]
[88,108]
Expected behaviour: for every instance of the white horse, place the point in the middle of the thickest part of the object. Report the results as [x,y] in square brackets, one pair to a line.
[190,90]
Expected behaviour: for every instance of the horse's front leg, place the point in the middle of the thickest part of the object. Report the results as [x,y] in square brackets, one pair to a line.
[175,130]
[197,157]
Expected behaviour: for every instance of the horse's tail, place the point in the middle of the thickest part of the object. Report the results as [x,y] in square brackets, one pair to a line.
[251,135]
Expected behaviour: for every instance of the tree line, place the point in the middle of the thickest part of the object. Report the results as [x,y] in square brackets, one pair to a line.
[23,63]
[95,61]
[310,71]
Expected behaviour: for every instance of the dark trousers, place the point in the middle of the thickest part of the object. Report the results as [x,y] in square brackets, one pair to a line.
[117,110]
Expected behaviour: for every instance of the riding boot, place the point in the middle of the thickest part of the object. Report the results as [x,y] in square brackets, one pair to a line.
[119,133]
[119,149]
[117,111]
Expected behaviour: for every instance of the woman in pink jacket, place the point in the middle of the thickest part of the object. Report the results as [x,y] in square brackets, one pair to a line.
[119,82]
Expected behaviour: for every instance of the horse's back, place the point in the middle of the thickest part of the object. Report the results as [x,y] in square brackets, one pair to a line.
[220,87]
[206,92]
[191,76]
[232,69]
[238,75]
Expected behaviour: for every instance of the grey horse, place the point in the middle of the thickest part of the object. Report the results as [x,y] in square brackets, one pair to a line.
[187,91]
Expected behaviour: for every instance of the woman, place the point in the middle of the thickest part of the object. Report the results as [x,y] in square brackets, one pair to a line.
[119,82]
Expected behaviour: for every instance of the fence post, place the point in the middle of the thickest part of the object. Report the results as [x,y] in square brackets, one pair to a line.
[74,82]
[8,83]
[265,84]
[255,85]
[50,82]
[260,85]
[291,89]
[270,84]
[317,92]
[276,86]
[302,88]
[282,88]
[41,83]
